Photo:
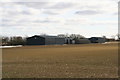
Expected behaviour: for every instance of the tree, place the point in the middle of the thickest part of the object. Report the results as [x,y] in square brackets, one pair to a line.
[76,36]
[17,40]
[104,37]
[5,40]
[63,35]
[43,34]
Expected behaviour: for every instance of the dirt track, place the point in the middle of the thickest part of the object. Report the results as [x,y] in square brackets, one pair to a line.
[67,61]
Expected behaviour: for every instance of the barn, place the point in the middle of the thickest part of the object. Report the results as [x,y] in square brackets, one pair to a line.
[45,40]
[97,40]
[82,41]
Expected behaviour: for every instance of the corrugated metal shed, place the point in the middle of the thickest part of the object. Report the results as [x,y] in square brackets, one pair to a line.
[83,41]
[97,40]
[45,40]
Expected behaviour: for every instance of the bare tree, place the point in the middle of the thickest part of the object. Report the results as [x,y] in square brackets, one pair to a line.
[104,37]
[77,36]
[17,40]
[5,40]
[64,35]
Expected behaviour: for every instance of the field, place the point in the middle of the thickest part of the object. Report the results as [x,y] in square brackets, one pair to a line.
[61,61]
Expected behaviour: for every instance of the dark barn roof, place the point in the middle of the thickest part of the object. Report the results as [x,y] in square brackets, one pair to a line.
[50,36]
[98,37]
[45,36]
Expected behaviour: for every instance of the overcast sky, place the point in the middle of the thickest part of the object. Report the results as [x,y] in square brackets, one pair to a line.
[86,17]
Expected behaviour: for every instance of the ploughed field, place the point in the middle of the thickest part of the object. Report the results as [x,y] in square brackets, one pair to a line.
[61,61]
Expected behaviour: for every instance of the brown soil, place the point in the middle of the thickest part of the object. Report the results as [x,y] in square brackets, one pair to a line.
[61,61]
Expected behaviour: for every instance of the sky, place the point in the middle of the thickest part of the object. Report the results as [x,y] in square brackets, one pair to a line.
[33,17]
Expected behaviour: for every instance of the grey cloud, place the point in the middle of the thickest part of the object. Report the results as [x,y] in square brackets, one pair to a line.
[25,13]
[36,5]
[24,22]
[87,12]
[62,5]
[5,20]
[9,24]
[46,21]
[89,7]
[15,24]
[45,5]
[50,13]
[15,13]
[12,11]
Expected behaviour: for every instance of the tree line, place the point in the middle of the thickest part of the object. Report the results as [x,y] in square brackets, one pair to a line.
[16,40]
[19,40]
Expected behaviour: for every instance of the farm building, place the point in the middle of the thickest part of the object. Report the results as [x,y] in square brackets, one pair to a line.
[97,40]
[82,41]
[69,40]
[45,40]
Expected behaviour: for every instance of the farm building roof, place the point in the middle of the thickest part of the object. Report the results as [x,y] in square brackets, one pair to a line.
[45,36]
